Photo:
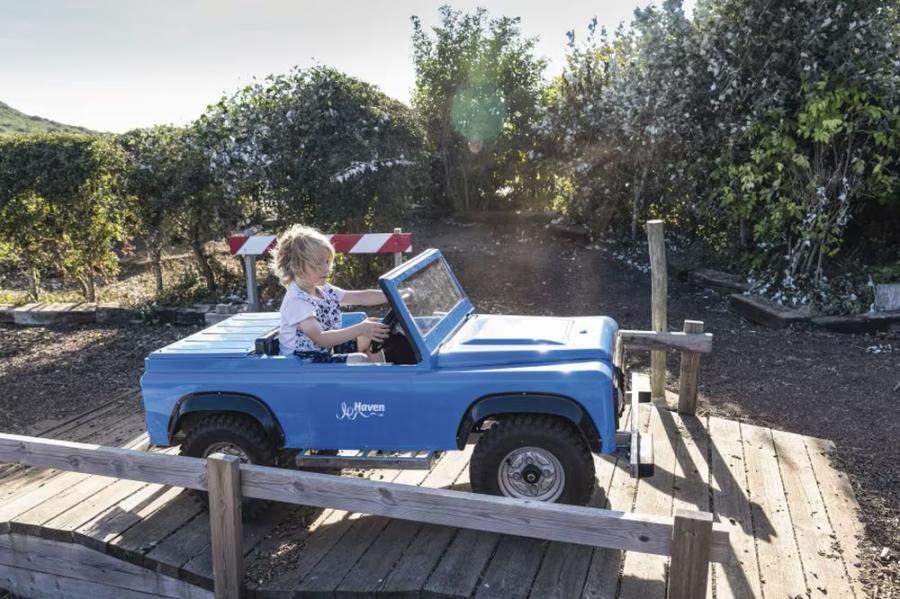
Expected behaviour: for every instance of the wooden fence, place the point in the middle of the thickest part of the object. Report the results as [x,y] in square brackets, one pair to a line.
[690,538]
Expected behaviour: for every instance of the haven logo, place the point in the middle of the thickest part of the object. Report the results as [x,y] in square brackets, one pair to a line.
[360,410]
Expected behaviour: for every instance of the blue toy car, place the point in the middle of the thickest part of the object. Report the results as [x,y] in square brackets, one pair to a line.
[541,394]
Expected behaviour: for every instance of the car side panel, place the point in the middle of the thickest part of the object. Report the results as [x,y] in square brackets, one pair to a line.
[391,407]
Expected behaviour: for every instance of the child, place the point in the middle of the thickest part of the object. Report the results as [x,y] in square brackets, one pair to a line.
[310,312]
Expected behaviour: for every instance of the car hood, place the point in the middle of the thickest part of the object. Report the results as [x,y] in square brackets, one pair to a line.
[488,340]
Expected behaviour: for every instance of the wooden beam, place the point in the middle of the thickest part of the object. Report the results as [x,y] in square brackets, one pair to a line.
[690,372]
[549,521]
[652,340]
[656,245]
[176,471]
[690,554]
[225,532]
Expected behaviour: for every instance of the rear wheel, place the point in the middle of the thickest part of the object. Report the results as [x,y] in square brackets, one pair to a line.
[231,434]
[542,458]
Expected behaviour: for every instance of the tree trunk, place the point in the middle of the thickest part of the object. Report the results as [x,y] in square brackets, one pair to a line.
[155,250]
[34,281]
[89,287]
[638,190]
[203,262]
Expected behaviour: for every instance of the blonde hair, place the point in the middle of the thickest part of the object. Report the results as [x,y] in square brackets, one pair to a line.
[296,250]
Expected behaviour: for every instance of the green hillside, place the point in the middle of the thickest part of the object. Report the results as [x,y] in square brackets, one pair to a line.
[13,121]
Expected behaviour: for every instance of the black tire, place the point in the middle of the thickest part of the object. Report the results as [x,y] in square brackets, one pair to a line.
[240,431]
[550,435]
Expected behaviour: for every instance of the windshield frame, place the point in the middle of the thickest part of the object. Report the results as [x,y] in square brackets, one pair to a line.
[393,281]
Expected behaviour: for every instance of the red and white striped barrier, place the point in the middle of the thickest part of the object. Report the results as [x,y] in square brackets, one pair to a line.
[250,247]
[343,243]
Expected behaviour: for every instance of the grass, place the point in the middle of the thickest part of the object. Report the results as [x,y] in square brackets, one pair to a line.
[13,121]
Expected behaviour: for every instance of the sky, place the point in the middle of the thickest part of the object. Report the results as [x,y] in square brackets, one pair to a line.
[113,65]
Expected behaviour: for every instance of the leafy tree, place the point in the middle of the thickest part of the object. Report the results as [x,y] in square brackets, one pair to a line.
[478,91]
[153,174]
[315,146]
[62,206]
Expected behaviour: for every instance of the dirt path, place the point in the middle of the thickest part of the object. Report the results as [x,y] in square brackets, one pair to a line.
[808,382]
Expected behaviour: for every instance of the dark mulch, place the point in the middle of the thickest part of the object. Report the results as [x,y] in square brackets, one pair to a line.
[809,382]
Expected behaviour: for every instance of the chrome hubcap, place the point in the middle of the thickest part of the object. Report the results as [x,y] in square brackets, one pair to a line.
[531,473]
[228,449]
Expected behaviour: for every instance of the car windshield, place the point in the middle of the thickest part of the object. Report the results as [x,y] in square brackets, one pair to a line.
[434,294]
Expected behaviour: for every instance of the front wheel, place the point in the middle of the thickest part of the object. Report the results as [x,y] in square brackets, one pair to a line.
[230,434]
[533,457]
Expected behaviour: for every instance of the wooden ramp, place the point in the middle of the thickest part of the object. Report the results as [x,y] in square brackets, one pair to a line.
[793,522]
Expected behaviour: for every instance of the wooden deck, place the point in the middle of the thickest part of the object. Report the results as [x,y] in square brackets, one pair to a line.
[793,523]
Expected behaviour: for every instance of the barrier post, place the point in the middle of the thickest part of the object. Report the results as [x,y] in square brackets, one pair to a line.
[398,256]
[224,482]
[252,292]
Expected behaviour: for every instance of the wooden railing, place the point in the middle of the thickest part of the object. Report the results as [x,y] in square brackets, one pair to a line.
[690,538]
[691,343]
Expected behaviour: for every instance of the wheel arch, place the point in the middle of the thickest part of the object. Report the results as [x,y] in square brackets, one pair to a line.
[528,403]
[211,402]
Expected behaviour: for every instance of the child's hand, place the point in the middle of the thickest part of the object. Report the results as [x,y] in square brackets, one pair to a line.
[373,329]
[407,294]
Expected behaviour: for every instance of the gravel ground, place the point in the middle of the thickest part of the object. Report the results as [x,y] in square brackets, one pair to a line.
[804,381]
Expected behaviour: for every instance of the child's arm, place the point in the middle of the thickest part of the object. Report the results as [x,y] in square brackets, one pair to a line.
[363,297]
[371,328]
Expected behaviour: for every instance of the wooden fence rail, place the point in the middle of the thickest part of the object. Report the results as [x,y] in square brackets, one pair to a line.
[690,538]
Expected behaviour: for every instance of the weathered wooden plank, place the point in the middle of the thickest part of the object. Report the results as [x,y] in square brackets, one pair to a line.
[779,562]
[73,561]
[351,554]
[660,341]
[841,506]
[34,521]
[164,516]
[63,526]
[413,568]
[324,533]
[512,568]
[689,373]
[460,567]
[381,567]
[109,524]
[644,533]
[23,502]
[690,554]
[160,468]
[603,573]
[659,301]
[564,567]
[738,577]
[199,569]
[225,534]
[179,547]
[821,558]
[21,479]
[39,585]
[644,575]
[370,572]
[562,572]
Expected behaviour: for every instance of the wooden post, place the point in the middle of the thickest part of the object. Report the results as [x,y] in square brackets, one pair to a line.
[398,256]
[224,481]
[690,371]
[658,302]
[691,540]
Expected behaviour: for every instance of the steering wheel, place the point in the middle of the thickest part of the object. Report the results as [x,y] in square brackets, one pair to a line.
[390,320]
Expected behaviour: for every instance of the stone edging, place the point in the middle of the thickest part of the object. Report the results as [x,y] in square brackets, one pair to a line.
[40,314]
